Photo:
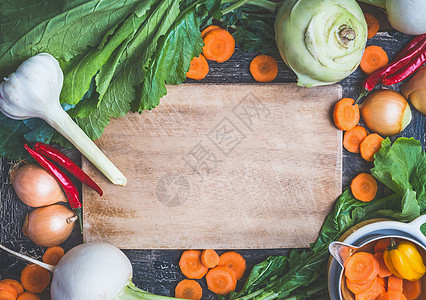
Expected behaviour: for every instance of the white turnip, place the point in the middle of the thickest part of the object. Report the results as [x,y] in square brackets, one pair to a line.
[92,271]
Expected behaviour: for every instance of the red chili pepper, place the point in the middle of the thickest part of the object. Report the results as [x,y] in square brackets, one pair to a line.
[68,186]
[403,58]
[414,64]
[63,160]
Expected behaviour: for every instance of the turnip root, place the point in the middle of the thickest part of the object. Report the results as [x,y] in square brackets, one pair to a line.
[92,271]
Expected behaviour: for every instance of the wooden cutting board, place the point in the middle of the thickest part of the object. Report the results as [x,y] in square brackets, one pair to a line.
[220,166]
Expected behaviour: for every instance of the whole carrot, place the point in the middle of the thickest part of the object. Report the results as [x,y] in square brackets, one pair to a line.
[63,160]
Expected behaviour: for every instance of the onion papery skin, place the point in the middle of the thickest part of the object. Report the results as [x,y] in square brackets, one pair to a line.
[50,225]
[309,37]
[386,112]
[35,187]
[415,90]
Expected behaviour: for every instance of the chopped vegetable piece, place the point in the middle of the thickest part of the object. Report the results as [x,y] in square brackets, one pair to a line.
[384,271]
[372,25]
[370,145]
[191,266]
[361,267]
[412,289]
[353,138]
[221,280]
[7,292]
[374,58]
[209,258]
[381,245]
[264,68]
[394,284]
[392,295]
[219,45]
[34,278]
[188,289]
[15,283]
[234,261]
[199,68]
[53,255]
[346,114]
[363,286]
[375,291]
[364,187]
[28,296]
[208,29]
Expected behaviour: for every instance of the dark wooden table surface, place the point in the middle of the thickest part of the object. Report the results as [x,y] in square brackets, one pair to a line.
[157,271]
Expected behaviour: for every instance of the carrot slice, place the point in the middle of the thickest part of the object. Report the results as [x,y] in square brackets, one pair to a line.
[392,295]
[382,281]
[364,187]
[357,288]
[188,289]
[34,279]
[209,258]
[353,138]
[372,25]
[412,289]
[370,145]
[361,267]
[221,280]
[28,296]
[15,283]
[208,29]
[219,45]
[7,292]
[346,114]
[234,261]
[191,266]
[374,58]
[383,271]
[53,255]
[381,245]
[198,69]
[394,284]
[264,68]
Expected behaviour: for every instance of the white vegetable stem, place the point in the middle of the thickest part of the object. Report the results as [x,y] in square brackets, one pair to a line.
[31,260]
[33,92]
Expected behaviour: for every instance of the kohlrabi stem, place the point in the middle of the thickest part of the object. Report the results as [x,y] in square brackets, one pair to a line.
[378,3]
[265,4]
[63,123]
[31,260]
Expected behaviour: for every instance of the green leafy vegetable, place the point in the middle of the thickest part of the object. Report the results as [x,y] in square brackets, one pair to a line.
[401,167]
[116,56]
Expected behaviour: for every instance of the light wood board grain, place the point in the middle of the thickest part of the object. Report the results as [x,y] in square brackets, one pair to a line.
[220,166]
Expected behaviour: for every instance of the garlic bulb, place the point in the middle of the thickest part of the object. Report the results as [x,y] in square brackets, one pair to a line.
[33,92]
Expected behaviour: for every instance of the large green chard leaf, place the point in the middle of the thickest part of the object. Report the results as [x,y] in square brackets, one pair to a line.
[78,77]
[62,28]
[402,167]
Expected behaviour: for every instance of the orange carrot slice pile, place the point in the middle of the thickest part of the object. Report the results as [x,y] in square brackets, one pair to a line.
[191,266]
[34,279]
[234,261]
[209,258]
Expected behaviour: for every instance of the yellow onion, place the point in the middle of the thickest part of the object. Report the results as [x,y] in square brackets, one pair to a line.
[415,90]
[35,186]
[386,112]
[49,226]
